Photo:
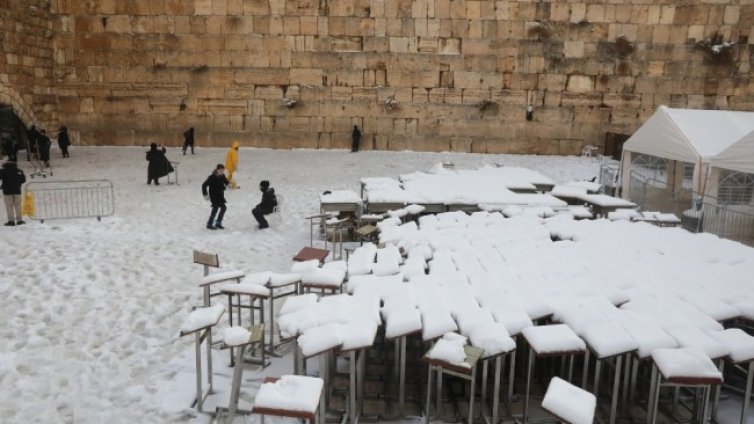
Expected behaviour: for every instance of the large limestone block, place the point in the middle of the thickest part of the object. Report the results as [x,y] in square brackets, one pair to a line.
[580,84]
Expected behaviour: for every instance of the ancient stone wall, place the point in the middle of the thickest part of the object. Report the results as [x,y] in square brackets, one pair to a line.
[414,74]
[26,66]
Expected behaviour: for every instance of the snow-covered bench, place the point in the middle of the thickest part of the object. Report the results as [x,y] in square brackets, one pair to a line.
[292,396]
[683,367]
[199,323]
[569,403]
[238,338]
[550,341]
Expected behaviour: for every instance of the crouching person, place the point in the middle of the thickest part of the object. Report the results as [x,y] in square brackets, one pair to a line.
[269,201]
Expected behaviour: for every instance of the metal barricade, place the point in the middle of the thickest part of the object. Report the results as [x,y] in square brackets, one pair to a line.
[609,178]
[698,213]
[72,199]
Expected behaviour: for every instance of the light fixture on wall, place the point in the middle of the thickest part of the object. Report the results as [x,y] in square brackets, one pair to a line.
[529,113]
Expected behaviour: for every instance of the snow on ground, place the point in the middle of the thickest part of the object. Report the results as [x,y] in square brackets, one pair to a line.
[91,311]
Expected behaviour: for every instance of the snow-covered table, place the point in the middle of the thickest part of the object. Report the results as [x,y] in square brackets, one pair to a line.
[683,367]
[292,396]
[199,323]
[607,341]
[568,403]
[256,292]
[465,369]
[340,201]
[602,204]
[549,341]
[238,338]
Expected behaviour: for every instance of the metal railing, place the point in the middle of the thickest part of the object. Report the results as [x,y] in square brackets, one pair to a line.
[609,178]
[698,213]
[72,199]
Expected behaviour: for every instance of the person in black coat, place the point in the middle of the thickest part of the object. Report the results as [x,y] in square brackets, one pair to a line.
[269,201]
[213,189]
[63,140]
[188,140]
[32,136]
[12,178]
[158,164]
[355,139]
[43,145]
[10,148]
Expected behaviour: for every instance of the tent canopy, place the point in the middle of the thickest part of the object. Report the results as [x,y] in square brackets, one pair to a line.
[690,135]
[738,157]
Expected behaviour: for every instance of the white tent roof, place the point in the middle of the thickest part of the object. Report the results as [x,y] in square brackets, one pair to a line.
[739,156]
[689,134]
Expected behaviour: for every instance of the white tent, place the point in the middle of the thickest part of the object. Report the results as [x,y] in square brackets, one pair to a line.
[686,135]
[738,157]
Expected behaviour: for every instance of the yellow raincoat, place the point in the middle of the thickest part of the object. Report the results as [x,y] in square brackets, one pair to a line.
[231,161]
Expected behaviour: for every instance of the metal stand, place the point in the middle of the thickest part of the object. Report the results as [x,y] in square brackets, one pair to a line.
[271,346]
[469,374]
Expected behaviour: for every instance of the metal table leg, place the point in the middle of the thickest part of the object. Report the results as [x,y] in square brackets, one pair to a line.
[747,393]
[529,369]
[650,399]
[616,386]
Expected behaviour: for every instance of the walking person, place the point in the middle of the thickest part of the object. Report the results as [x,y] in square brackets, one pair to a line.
[12,178]
[158,164]
[355,139]
[266,206]
[231,162]
[43,144]
[63,140]
[188,140]
[11,148]
[213,189]
[32,141]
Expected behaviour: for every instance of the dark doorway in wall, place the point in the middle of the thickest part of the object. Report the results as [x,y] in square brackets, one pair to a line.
[11,127]
[614,144]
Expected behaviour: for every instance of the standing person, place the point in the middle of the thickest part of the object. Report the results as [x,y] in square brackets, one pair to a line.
[188,140]
[269,201]
[213,189]
[11,178]
[63,140]
[32,141]
[10,148]
[231,162]
[355,139]
[158,164]
[43,144]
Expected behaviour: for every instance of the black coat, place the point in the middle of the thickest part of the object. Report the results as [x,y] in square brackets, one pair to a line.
[63,140]
[215,185]
[11,178]
[188,138]
[269,201]
[43,143]
[158,163]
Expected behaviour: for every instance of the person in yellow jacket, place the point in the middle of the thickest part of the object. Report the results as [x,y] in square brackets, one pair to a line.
[231,162]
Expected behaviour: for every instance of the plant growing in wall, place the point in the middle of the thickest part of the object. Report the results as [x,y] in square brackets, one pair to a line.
[486,105]
[717,50]
[390,104]
[289,103]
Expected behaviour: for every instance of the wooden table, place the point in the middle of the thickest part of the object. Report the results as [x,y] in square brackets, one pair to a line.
[309,253]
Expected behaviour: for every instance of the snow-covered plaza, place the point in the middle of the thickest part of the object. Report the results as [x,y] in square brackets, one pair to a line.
[91,310]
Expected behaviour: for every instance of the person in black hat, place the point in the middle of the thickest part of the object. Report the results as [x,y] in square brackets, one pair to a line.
[269,201]
[213,190]
[63,141]
[188,140]
[12,178]
[159,166]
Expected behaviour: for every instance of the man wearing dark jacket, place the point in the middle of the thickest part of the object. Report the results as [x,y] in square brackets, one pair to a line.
[213,190]
[12,179]
[269,201]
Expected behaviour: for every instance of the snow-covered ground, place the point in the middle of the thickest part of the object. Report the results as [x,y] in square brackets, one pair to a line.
[90,310]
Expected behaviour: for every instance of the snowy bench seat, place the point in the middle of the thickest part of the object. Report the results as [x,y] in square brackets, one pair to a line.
[202,318]
[250,289]
[690,366]
[240,336]
[331,278]
[608,339]
[739,344]
[291,396]
[553,340]
[218,277]
[569,403]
